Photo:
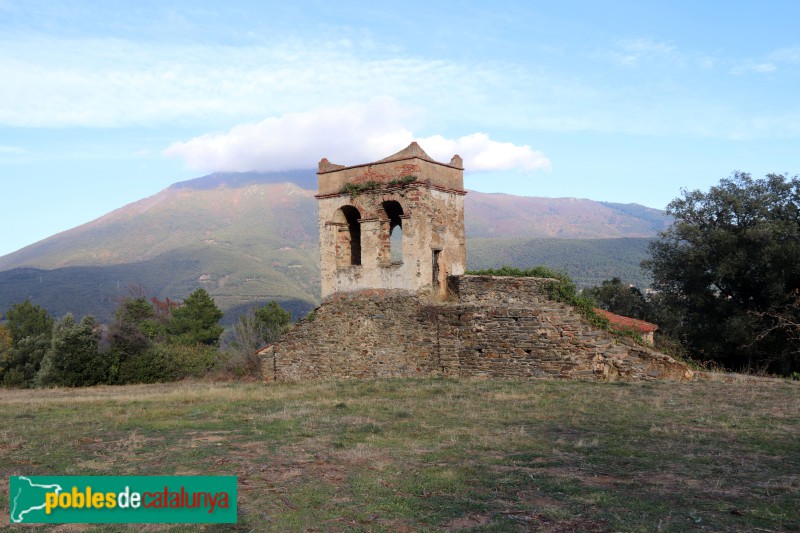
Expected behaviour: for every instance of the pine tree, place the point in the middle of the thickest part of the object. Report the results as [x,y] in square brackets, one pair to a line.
[197,320]
[273,321]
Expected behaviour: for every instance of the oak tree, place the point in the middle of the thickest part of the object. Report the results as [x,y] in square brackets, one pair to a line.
[727,265]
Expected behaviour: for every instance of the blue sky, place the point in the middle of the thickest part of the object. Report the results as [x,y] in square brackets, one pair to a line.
[104,103]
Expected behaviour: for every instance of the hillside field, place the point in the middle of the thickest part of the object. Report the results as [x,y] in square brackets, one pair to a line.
[435,454]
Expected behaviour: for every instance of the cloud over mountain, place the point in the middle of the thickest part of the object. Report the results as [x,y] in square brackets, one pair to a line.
[348,134]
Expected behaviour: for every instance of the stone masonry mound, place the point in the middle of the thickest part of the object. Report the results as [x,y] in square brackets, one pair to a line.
[499,327]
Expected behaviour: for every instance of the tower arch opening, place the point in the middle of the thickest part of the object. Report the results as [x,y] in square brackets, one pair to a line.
[379,222]
[394,212]
[348,218]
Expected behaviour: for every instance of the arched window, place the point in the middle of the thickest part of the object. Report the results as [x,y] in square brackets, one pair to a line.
[350,234]
[394,211]
[396,244]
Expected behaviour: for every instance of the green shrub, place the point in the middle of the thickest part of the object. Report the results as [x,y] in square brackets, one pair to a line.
[535,272]
[169,362]
[196,360]
[73,359]
[402,180]
[354,189]
[153,365]
[14,378]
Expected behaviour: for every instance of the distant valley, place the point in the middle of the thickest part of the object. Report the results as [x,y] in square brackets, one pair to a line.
[252,237]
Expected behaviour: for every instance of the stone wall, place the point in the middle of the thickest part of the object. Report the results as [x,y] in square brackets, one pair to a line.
[498,327]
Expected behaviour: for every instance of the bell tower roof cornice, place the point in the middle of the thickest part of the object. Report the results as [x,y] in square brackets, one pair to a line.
[412,151]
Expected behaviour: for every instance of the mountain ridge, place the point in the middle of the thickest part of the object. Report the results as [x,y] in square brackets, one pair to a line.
[248,237]
[532,216]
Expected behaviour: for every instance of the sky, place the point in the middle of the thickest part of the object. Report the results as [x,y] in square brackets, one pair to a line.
[103,103]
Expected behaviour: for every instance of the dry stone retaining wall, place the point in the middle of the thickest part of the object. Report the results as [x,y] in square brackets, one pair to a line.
[499,327]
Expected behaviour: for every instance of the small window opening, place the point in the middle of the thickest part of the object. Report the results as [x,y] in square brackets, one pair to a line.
[351,218]
[396,243]
[394,212]
[435,271]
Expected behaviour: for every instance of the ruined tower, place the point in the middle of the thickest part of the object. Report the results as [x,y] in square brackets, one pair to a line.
[396,301]
[397,223]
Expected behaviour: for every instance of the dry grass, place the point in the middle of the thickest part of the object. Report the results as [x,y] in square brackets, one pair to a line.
[441,455]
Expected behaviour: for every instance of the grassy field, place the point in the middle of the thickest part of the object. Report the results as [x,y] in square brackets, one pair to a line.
[409,455]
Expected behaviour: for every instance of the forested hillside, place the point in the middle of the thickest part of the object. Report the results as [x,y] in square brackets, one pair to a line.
[587,261]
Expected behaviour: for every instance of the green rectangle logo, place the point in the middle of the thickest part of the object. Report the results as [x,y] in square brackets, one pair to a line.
[123,499]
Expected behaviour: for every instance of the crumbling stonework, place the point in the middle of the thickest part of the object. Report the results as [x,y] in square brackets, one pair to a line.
[497,327]
[363,210]
[401,306]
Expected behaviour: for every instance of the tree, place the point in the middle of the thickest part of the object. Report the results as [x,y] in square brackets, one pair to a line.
[30,328]
[131,335]
[6,347]
[163,308]
[260,326]
[26,360]
[74,359]
[728,264]
[197,320]
[248,334]
[28,320]
[273,320]
[621,299]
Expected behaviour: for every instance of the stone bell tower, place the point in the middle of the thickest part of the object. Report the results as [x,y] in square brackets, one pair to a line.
[397,223]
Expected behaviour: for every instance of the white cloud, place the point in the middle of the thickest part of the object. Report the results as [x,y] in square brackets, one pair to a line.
[789,55]
[757,68]
[16,150]
[481,153]
[632,52]
[642,53]
[349,134]
[110,83]
[56,82]
[771,62]
[764,67]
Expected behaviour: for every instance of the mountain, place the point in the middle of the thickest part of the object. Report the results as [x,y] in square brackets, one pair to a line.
[252,237]
[245,241]
[307,179]
[256,217]
[517,217]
